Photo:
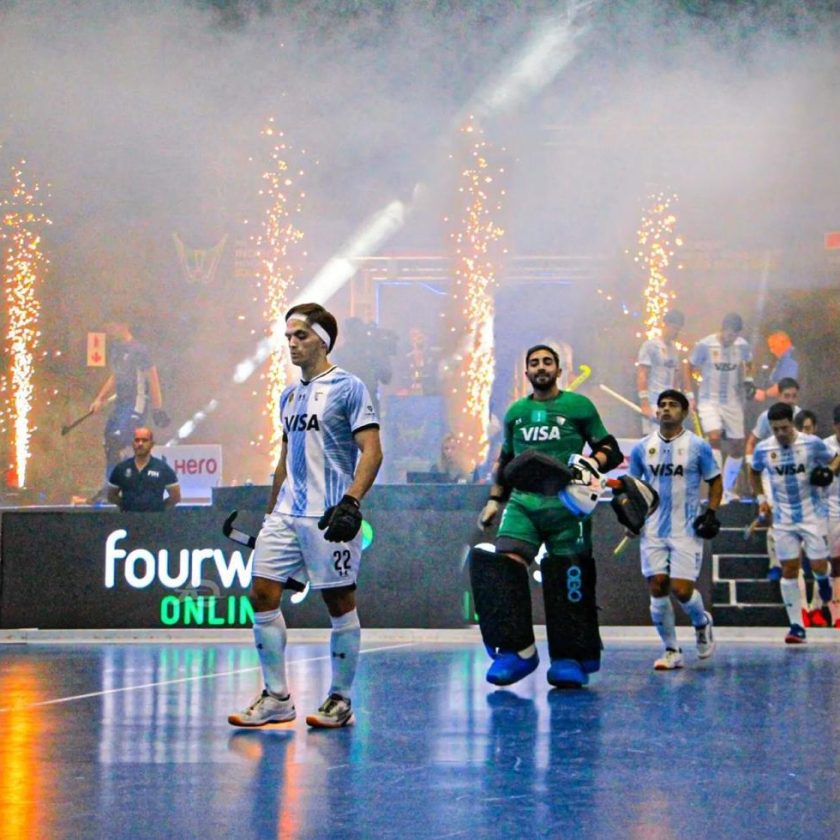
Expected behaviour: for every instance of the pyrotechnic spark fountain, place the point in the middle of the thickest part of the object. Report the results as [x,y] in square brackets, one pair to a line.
[277,239]
[475,239]
[24,264]
[656,243]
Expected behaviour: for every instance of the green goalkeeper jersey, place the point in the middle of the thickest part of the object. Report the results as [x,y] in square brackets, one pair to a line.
[560,427]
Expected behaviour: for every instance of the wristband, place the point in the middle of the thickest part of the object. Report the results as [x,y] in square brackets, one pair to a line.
[644,395]
[493,498]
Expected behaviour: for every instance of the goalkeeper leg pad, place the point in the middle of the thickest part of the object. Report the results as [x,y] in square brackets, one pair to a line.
[571,612]
[502,595]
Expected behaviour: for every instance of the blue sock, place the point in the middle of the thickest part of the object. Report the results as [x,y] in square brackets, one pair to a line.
[345,641]
[823,587]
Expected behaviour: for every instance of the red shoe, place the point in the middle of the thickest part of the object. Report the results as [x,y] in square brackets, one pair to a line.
[817,619]
[806,618]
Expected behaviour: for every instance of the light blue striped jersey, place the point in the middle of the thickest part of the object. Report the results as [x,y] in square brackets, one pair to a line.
[662,359]
[795,499]
[320,417]
[676,469]
[762,425]
[833,489]
[722,368]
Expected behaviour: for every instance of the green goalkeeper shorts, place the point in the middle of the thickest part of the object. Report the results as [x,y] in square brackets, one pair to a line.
[536,519]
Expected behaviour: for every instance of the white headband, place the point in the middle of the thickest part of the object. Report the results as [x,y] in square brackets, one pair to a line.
[316,328]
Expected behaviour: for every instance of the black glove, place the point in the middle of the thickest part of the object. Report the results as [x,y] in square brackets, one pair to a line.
[749,389]
[161,418]
[821,476]
[707,525]
[342,521]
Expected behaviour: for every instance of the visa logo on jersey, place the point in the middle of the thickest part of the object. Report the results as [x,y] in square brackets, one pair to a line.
[302,423]
[726,366]
[535,433]
[789,469]
[666,469]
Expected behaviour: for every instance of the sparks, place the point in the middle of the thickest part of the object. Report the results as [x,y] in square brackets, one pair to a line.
[475,241]
[24,265]
[656,243]
[278,237]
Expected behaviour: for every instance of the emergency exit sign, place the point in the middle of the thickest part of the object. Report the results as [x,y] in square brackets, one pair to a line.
[96,349]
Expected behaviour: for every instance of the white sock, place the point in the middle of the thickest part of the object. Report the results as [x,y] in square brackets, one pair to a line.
[792,599]
[695,609]
[662,614]
[528,652]
[716,454]
[345,641]
[731,469]
[270,638]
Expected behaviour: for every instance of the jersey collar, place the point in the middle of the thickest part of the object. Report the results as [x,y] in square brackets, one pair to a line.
[330,369]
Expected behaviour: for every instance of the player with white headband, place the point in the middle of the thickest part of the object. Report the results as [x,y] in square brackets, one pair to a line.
[329,459]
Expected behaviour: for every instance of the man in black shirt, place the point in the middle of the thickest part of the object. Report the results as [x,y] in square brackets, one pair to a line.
[139,483]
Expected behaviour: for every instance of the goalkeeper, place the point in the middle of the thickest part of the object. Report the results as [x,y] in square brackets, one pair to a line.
[676,462]
[328,461]
[554,423]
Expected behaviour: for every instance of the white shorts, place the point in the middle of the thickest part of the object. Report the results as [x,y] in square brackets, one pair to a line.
[812,537]
[294,547]
[834,537]
[728,417]
[677,557]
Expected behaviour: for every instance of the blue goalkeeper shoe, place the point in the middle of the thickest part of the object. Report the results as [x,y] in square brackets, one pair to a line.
[567,673]
[509,667]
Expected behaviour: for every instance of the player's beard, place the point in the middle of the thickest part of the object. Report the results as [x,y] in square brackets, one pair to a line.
[542,383]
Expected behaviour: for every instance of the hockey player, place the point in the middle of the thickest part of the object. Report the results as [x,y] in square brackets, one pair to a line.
[328,461]
[556,423]
[675,462]
[798,466]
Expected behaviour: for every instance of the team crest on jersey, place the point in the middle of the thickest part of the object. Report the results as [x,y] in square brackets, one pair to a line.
[652,450]
[559,420]
[128,472]
[774,455]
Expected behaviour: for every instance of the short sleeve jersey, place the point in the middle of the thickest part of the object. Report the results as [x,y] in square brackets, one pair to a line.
[142,490]
[721,368]
[833,489]
[795,499]
[662,359]
[762,428]
[560,427]
[129,362]
[320,417]
[676,469]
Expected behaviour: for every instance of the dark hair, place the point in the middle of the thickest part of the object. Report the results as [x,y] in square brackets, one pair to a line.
[674,317]
[780,411]
[673,394]
[733,321]
[802,416]
[542,347]
[316,314]
[787,382]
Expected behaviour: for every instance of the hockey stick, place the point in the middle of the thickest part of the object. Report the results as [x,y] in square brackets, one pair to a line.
[70,426]
[585,373]
[250,541]
[235,534]
[624,400]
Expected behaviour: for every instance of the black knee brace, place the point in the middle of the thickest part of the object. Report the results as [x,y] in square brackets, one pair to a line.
[502,595]
[571,612]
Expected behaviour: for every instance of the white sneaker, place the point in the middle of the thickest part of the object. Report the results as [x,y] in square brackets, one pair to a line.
[705,638]
[266,708]
[729,496]
[334,712]
[669,661]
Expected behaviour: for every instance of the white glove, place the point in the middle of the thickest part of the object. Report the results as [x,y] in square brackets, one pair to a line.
[489,513]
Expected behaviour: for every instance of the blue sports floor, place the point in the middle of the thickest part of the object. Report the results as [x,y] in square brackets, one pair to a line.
[131,741]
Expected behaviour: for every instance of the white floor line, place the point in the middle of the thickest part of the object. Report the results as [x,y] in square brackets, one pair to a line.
[184,680]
